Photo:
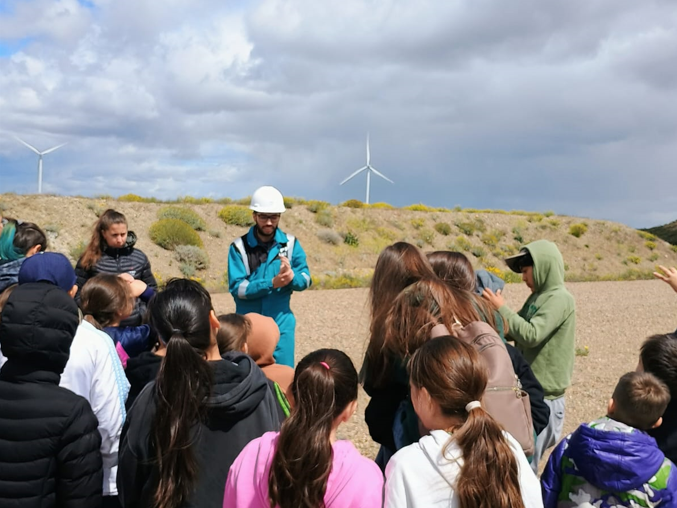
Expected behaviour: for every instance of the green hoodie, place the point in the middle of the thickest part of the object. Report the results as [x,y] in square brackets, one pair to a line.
[543,330]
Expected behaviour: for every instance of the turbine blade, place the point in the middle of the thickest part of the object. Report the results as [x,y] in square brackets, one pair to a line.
[354,174]
[381,175]
[368,154]
[54,148]
[26,144]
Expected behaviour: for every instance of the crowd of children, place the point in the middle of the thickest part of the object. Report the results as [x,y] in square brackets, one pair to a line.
[116,394]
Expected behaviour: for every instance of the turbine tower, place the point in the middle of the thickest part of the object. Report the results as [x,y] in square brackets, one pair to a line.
[40,154]
[369,170]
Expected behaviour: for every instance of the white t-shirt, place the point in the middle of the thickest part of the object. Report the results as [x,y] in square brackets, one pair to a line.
[419,476]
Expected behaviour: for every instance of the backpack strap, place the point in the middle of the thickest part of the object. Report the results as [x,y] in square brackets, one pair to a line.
[282,400]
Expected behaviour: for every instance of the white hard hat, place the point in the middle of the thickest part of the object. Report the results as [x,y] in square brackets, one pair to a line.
[267,199]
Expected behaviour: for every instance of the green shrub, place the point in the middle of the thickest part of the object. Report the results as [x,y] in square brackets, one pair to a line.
[517,235]
[351,239]
[417,223]
[135,198]
[426,235]
[654,257]
[236,215]
[598,257]
[224,201]
[193,256]
[325,218]
[360,224]
[463,243]
[490,239]
[478,252]
[467,228]
[387,233]
[650,245]
[315,205]
[635,260]
[419,207]
[289,202]
[187,215]
[353,203]
[190,200]
[554,223]
[187,270]
[329,236]
[245,201]
[578,230]
[646,235]
[536,217]
[443,228]
[341,281]
[170,233]
[215,233]
[77,250]
[549,213]
[381,206]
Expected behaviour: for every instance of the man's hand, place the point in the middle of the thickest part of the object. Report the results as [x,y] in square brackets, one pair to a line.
[496,299]
[669,276]
[282,279]
[285,265]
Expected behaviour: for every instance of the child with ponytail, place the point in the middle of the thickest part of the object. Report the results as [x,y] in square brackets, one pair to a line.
[304,465]
[185,429]
[466,461]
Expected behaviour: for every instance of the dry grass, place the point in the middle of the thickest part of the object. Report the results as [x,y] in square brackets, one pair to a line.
[613,318]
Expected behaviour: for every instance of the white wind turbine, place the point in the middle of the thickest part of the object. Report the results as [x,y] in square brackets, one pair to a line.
[40,154]
[369,170]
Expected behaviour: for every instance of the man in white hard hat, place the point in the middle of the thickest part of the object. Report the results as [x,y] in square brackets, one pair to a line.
[265,266]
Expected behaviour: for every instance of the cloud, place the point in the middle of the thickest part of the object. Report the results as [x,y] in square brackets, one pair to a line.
[532,105]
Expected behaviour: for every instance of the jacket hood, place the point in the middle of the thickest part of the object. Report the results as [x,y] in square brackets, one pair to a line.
[38,324]
[262,339]
[129,245]
[613,456]
[239,386]
[548,265]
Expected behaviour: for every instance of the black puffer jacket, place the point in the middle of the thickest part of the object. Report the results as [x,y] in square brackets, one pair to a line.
[129,260]
[240,409]
[49,443]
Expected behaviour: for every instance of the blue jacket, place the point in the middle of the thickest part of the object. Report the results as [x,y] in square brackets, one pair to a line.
[254,292]
[608,464]
[133,339]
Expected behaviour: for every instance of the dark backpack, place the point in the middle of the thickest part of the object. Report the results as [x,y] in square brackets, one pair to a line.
[504,398]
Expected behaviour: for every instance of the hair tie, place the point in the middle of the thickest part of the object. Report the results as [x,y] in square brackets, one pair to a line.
[325,365]
[472,405]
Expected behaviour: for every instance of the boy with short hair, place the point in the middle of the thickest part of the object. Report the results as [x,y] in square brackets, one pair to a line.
[543,330]
[612,461]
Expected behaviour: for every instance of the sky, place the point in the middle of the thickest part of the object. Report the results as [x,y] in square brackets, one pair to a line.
[568,106]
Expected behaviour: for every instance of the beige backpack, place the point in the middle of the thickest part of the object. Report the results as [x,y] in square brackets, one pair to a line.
[504,398]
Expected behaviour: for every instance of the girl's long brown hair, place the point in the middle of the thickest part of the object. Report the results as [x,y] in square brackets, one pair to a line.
[455,269]
[325,382]
[411,317]
[454,375]
[96,244]
[398,266]
[106,298]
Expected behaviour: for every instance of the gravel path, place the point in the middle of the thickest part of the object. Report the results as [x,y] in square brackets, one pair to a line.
[613,318]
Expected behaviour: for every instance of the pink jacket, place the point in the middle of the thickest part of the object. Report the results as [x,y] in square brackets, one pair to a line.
[354,481]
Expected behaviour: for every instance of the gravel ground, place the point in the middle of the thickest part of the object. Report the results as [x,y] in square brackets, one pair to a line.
[613,318]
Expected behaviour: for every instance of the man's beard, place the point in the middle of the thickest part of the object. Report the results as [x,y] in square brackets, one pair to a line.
[260,233]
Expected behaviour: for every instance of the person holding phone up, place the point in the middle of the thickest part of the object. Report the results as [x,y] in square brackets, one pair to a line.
[265,266]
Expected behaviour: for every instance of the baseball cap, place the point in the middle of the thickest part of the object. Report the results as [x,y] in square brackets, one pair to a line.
[51,267]
[519,261]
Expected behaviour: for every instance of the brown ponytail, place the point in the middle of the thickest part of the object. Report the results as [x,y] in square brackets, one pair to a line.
[96,244]
[453,374]
[325,382]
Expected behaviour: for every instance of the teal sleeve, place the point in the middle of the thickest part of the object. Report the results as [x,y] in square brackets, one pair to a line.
[240,284]
[299,265]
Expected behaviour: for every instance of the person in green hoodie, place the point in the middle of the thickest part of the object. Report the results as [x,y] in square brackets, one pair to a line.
[543,330]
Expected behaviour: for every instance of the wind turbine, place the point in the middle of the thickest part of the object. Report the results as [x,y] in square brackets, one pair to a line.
[369,170]
[40,154]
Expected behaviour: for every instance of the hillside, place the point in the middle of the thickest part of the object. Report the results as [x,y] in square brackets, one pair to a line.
[667,232]
[604,250]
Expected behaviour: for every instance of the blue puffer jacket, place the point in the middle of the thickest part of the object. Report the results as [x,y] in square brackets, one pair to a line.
[607,464]
[253,290]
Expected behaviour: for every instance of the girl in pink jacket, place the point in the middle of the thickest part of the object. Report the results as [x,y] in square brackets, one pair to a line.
[304,464]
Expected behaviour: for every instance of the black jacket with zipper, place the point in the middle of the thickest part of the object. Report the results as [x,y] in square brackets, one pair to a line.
[127,259]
